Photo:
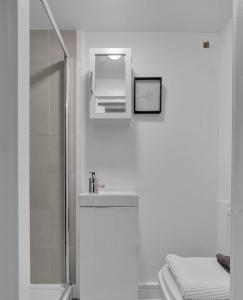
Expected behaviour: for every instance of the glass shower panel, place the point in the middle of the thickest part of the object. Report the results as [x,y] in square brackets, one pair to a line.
[47,188]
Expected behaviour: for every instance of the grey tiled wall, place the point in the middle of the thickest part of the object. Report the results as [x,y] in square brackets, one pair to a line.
[47,156]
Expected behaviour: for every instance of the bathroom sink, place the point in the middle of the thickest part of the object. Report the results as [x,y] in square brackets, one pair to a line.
[109,199]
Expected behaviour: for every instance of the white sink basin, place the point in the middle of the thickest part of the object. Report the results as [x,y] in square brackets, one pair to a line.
[109,199]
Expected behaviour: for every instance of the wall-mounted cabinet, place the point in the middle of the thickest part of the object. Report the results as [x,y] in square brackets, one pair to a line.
[110,83]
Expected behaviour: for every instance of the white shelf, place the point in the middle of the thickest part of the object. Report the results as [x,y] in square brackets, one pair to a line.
[108,99]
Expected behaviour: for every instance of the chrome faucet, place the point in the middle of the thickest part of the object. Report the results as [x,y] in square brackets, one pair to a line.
[92,183]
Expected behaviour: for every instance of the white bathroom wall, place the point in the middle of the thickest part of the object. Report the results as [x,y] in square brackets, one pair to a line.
[171,160]
[9,279]
[14,205]
[225,138]
[237,155]
[8,159]
[225,113]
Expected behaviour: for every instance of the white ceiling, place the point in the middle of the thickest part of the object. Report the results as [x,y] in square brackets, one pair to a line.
[136,15]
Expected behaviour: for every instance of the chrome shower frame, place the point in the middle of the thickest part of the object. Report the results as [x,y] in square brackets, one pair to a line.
[67,293]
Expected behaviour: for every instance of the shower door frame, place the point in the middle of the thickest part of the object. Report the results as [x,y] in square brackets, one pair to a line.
[66,144]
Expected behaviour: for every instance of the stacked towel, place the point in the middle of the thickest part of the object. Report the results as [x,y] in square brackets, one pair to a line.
[199,278]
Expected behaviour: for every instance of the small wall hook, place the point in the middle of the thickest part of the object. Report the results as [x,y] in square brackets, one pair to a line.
[206,44]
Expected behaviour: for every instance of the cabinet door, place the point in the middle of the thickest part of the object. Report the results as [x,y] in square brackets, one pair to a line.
[110,83]
[108,253]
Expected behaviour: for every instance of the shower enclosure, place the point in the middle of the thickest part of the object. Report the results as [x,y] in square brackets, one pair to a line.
[52,156]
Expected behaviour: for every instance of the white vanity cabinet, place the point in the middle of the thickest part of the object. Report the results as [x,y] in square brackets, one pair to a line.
[108,247]
[110,83]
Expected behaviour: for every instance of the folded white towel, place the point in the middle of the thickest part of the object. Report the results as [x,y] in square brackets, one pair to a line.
[199,278]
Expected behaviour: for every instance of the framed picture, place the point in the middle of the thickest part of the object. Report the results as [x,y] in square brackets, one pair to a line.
[147,95]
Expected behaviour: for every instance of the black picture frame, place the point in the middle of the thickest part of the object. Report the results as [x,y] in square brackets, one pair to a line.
[135,110]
